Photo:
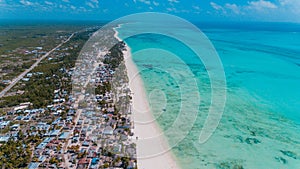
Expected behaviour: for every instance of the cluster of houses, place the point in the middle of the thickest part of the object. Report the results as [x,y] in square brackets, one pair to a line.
[102,133]
[98,135]
[29,75]
[34,52]
[52,125]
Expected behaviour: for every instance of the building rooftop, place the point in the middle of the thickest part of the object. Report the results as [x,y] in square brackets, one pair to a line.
[64,135]
[33,165]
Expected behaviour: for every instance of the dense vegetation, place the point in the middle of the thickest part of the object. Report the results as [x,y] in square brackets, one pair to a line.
[115,56]
[39,90]
[36,33]
[20,43]
[14,154]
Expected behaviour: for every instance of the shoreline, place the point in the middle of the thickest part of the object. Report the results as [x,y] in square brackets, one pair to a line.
[153,150]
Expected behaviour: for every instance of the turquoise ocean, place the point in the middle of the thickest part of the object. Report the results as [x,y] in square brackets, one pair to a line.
[260,126]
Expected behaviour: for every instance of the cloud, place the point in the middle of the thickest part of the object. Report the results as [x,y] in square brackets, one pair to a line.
[26,3]
[216,6]
[233,7]
[93,3]
[171,9]
[252,7]
[145,2]
[155,3]
[61,6]
[82,9]
[48,3]
[173,1]
[90,4]
[261,4]
[289,2]
[196,7]
[3,5]
[290,5]
[175,10]
[72,7]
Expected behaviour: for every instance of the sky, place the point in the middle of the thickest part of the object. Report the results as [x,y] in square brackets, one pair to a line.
[196,10]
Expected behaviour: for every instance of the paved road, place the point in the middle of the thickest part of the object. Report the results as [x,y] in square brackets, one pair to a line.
[18,78]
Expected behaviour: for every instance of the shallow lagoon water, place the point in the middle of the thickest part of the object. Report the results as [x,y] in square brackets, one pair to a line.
[261,121]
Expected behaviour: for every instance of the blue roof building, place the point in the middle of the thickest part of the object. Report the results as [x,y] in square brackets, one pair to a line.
[33,165]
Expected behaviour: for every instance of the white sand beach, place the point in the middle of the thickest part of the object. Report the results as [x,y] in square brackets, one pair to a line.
[152,148]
